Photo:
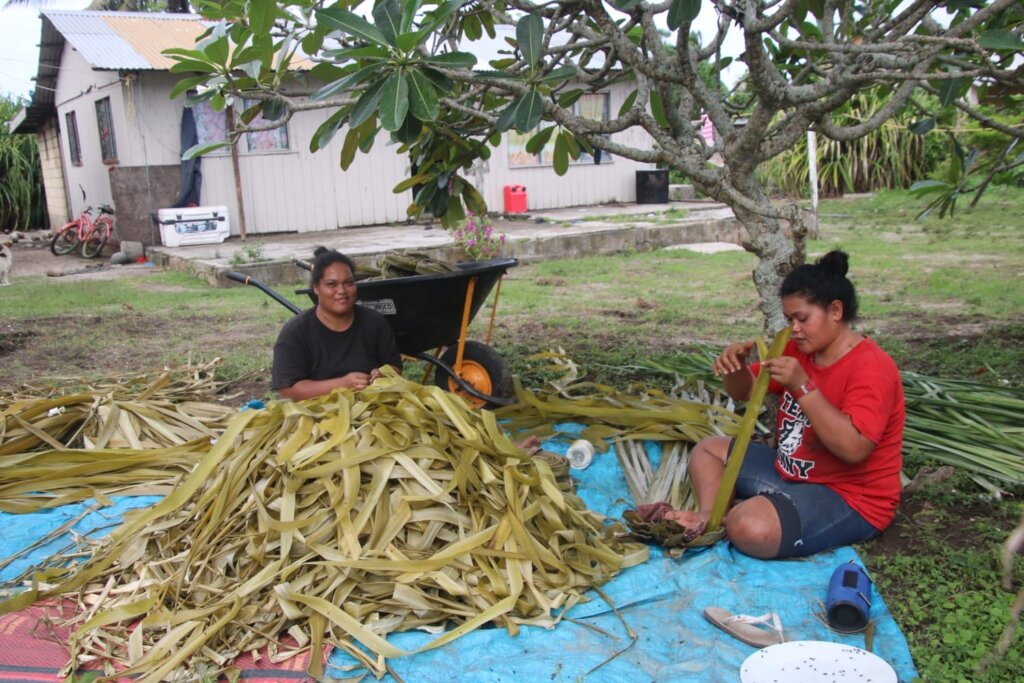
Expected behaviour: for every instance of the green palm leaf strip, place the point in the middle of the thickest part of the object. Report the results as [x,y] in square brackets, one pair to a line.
[739,445]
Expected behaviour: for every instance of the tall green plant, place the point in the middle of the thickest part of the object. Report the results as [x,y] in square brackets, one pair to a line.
[887,158]
[21,184]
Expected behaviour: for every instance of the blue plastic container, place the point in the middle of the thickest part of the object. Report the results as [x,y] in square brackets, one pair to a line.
[848,607]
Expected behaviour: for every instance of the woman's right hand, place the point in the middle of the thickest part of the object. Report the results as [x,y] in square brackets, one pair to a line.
[733,358]
[356,380]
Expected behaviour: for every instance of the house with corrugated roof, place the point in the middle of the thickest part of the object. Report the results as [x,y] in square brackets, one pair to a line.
[109,132]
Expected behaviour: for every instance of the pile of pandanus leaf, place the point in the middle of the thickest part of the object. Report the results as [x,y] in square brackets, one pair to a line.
[336,520]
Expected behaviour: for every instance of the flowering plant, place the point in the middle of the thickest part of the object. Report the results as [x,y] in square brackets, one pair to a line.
[478,240]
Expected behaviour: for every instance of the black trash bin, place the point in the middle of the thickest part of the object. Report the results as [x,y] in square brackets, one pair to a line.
[652,187]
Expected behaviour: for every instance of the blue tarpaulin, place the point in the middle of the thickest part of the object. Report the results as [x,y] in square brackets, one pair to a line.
[661,602]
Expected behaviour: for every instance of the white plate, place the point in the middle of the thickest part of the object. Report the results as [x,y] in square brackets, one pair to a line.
[811,661]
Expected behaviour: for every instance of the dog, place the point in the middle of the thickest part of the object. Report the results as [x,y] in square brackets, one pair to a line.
[6,261]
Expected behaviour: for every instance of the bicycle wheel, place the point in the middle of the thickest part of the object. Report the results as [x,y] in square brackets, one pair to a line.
[96,238]
[65,240]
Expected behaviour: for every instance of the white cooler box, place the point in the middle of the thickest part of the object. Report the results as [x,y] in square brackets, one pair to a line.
[193,225]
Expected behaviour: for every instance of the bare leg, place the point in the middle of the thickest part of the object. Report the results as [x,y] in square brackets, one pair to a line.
[753,526]
[707,464]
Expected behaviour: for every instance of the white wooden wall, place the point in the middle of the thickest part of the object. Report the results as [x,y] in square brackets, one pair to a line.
[78,88]
[296,190]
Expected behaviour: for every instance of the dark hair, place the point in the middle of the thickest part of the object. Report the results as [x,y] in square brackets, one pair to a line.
[324,257]
[824,282]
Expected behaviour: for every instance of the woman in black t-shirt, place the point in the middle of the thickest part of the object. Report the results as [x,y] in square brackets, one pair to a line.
[336,343]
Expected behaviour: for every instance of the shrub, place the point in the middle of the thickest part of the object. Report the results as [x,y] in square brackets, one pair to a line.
[478,240]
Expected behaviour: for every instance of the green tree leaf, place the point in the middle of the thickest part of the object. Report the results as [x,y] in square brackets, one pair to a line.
[409,131]
[529,34]
[451,60]
[1000,40]
[681,12]
[366,105]
[326,131]
[394,101]
[274,110]
[407,42]
[192,66]
[349,148]
[352,24]
[205,148]
[507,117]
[560,159]
[186,84]
[423,99]
[529,113]
[627,103]
[344,84]
[312,43]
[387,16]
[440,15]
[217,51]
[923,187]
[923,126]
[569,98]
[562,73]
[474,200]
[657,109]
[535,144]
[412,182]
[361,52]
[261,15]
[949,90]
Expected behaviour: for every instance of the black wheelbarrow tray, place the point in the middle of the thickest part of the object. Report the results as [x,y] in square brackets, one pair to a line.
[432,313]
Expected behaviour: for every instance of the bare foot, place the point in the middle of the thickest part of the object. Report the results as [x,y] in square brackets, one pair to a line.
[688,519]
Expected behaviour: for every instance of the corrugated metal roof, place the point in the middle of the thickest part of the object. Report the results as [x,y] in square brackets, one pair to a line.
[126,40]
[150,38]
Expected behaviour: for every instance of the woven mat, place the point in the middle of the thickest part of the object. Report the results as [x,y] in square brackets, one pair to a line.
[32,648]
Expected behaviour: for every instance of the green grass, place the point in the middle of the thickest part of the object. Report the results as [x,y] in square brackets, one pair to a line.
[944,590]
[657,217]
[943,297]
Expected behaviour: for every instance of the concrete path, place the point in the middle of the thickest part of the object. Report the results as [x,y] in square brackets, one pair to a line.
[563,233]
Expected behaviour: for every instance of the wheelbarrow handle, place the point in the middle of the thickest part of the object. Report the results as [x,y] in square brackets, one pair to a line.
[244,279]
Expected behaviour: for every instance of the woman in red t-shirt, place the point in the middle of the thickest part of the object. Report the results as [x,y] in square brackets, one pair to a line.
[834,477]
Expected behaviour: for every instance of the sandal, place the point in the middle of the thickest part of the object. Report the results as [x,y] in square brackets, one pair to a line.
[759,631]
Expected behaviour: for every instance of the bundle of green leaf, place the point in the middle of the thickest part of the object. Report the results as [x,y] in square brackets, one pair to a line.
[643,414]
[338,520]
[970,424]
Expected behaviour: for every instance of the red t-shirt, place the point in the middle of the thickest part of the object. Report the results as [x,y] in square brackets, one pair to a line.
[865,384]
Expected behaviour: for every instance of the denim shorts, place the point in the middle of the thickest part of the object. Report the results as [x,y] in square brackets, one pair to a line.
[813,516]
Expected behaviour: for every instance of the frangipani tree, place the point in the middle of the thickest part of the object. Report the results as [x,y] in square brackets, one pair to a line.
[408,67]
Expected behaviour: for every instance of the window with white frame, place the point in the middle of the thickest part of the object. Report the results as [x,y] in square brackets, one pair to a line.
[212,126]
[74,147]
[596,106]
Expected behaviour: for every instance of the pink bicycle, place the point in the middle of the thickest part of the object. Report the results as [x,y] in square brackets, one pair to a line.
[85,231]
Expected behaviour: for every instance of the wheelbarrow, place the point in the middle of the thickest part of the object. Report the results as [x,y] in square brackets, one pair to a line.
[432,313]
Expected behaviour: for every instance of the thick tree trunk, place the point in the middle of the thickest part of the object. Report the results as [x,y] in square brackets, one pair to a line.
[777,254]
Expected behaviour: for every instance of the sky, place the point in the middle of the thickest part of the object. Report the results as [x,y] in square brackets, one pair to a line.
[19,45]
[20,29]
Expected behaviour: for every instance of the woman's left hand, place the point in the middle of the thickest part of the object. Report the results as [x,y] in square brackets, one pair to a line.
[787,371]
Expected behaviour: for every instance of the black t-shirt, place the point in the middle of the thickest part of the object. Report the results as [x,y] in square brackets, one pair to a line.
[308,349]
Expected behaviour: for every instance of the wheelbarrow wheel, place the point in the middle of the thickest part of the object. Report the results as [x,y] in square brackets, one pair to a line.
[482,367]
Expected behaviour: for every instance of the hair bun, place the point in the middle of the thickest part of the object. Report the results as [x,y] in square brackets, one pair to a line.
[835,262]
[319,250]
